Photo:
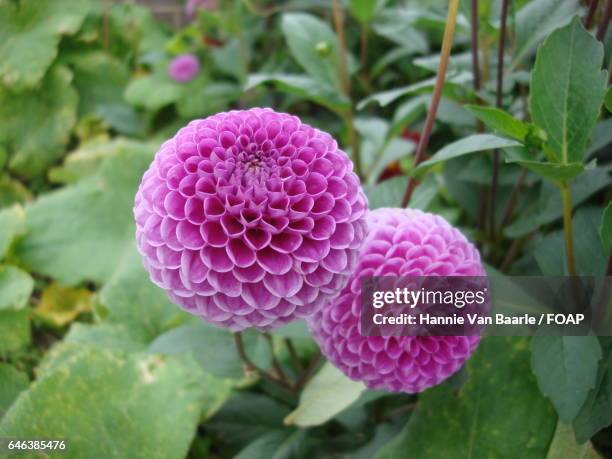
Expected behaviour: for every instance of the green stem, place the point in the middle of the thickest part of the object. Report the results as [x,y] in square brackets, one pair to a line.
[567,228]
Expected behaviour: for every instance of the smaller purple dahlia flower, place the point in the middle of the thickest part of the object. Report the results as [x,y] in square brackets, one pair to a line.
[250,218]
[184,68]
[401,242]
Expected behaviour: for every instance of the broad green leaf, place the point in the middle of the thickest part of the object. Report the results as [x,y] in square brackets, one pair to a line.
[30,31]
[82,231]
[326,394]
[112,405]
[153,92]
[15,287]
[608,99]
[536,20]
[130,298]
[12,191]
[475,421]
[500,121]
[12,224]
[564,445]
[363,10]
[106,336]
[307,36]
[386,194]
[201,100]
[467,145]
[304,87]
[60,305]
[13,383]
[392,151]
[565,99]
[551,171]
[596,413]
[15,330]
[42,129]
[605,229]
[548,208]
[281,444]
[566,369]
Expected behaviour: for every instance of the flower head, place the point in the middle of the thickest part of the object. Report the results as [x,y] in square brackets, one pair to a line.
[184,68]
[401,242]
[250,218]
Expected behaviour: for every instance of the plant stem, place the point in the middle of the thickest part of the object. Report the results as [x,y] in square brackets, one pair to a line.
[306,375]
[345,82]
[254,368]
[295,358]
[507,213]
[447,43]
[605,21]
[275,363]
[567,228]
[363,45]
[588,19]
[499,100]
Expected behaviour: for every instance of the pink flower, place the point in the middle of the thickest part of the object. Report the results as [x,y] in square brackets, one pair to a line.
[193,5]
[401,242]
[250,218]
[184,68]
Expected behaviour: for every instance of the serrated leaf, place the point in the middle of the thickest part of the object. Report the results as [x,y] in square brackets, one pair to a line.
[565,99]
[15,287]
[304,33]
[37,136]
[30,31]
[145,405]
[302,86]
[467,145]
[82,231]
[326,394]
[566,369]
[473,422]
[60,305]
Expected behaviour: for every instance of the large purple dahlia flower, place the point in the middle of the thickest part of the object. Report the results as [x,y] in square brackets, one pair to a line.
[400,242]
[250,218]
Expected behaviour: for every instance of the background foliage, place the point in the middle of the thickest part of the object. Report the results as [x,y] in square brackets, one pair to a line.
[92,351]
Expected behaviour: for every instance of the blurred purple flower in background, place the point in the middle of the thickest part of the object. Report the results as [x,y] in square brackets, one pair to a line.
[193,5]
[400,242]
[184,68]
[250,218]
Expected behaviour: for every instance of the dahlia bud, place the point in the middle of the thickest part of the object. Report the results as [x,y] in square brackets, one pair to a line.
[401,242]
[250,218]
[184,68]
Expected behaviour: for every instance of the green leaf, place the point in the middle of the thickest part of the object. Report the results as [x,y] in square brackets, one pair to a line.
[30,31]
[392,151]
[59,305]
[536,20]
[42,129]
[386,194]
[500,121]
[474,421]
[605,229]
[106,336]
[153,92]
[564,445]
[130,298]
[13,383]
[467,145]
[15,287]
[281,444]
[15,330]
[306,35]
[608,100]
[144,405]
[363,10]
[565,99]
[551,171]
[596,412]
[82,231]
[566,369]
[12,224]
[326,394]
[304,87]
